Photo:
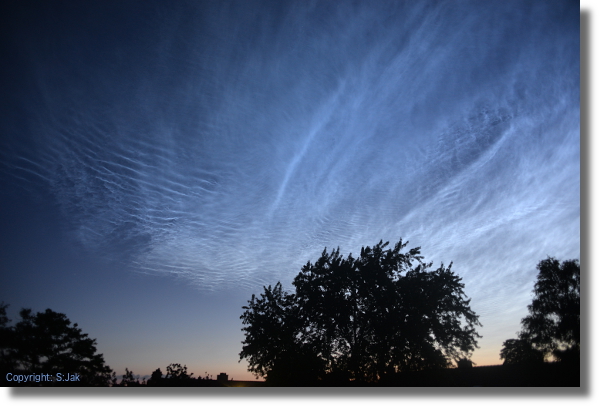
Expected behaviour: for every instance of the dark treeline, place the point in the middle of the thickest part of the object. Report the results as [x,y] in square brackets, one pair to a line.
[385,318]
[46,349]
[176,376]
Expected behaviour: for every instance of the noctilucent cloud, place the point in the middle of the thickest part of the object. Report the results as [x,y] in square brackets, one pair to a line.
[206,149]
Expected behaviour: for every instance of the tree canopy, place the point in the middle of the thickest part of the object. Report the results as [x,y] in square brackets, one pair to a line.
[46,342]
[552,327]
[360,319]
[520,350]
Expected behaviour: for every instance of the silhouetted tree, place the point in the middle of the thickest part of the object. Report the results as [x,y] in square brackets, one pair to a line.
[520,351]
[360,319]
[156,378]
[6,338]
[47,343]
[3,318]
[552,326]
[129,379]
[177,372]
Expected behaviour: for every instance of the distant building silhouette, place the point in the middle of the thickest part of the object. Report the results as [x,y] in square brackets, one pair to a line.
[222,377]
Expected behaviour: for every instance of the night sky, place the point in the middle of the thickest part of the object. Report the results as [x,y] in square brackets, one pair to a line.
[160,163]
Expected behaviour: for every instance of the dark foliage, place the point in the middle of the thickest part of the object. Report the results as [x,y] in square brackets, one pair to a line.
[156,378]
[46,342]
[6,363]
[129,380]
[177,376]
[177,372]
[359,319]
[520,351]
[552,326]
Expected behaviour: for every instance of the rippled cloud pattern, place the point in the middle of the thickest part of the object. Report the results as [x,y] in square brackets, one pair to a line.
[229,143]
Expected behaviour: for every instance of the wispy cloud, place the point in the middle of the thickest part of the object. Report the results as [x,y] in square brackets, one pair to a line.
[237,145]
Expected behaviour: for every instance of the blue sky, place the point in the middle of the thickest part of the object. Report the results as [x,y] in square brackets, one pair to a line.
[160,163]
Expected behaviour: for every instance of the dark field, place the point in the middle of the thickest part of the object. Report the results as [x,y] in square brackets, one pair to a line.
[544,375]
